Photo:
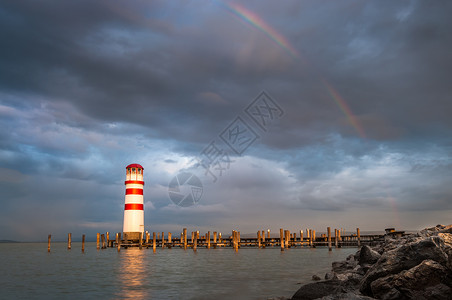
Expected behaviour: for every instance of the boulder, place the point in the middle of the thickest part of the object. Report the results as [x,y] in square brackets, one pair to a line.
[316,278]
[346,296]
[367,256]
[317,290]
[418,282]
[344,266]
[403,258]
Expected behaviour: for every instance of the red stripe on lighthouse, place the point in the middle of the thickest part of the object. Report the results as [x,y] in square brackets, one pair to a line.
[134,206]
[134,191]
[134,182]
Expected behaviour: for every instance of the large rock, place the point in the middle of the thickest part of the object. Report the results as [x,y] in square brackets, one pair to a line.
[317,290]
[428,280]
[367,256]
[405,257]
[346,296]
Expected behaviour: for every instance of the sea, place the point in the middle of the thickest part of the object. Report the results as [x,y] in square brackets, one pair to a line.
[28,271]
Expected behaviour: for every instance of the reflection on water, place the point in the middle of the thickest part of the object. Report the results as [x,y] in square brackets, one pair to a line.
[132,274]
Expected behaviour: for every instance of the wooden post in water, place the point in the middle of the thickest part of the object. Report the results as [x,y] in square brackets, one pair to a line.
[117,239]
[208,239]
[169,238]
[301,238]
[98,241]
[258,238]
[108,238]
[281,238]
[310,237]
[163,240]
[140,241]
[329,238]
[233,239]
[103,241]
[313,238]
[237,237]
[185,238]
[335,238]
[153,241]
[339,238]
[48,242]
[268,234]
[286,238]
[214,240]
[219,237]
[238,240]
[147,237]
[358,236]
[195,242]
[83,243]
[69,241]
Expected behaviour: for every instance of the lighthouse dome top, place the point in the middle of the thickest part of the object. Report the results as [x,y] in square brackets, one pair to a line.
[134,166]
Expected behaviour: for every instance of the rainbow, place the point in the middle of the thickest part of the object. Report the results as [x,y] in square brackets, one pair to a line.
[340,102]
[254,20]
[257,22]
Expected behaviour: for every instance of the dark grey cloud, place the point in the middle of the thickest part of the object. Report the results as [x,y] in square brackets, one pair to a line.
[89,87]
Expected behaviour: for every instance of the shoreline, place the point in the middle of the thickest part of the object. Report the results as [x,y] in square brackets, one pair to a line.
[415,266]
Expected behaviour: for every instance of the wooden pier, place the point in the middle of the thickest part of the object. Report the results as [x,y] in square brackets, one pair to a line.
[215,240]
[263,239]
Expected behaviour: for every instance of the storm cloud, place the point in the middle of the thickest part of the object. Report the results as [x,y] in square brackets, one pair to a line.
[88,87]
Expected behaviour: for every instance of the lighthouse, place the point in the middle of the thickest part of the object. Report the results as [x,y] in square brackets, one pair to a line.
[134,208]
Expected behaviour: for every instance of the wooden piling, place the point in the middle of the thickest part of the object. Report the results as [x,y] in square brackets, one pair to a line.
[103,241]
[108,238]
[118,243]
[287,239]
[153,241]
[195,242]
[185,238]
[301,237]
[358,236]
[281,238]
[313,238]
[98,241]
[147,237]
[328,229]
[309,232]
[69,241]
[83,243]
[48,242]
[268,234]
[140,241]
[259,239]
[239,240]
[163,240]
[169,238]
[214,239]
[335,238]
[208,239]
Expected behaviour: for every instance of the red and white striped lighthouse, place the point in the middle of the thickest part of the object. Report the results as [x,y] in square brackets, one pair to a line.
[134,208]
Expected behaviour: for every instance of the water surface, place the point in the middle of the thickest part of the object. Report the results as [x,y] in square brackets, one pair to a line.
[30,272]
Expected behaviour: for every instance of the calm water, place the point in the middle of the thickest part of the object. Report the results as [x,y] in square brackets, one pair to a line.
[29,272]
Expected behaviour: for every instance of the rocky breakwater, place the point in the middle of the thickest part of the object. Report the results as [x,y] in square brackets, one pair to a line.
[415,266]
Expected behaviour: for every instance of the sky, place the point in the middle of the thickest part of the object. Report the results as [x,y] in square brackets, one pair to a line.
[319,113]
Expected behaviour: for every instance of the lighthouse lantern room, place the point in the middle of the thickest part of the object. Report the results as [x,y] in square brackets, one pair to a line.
[134,208]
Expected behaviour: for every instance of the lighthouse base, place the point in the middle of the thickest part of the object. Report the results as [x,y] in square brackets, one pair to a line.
[132,236]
